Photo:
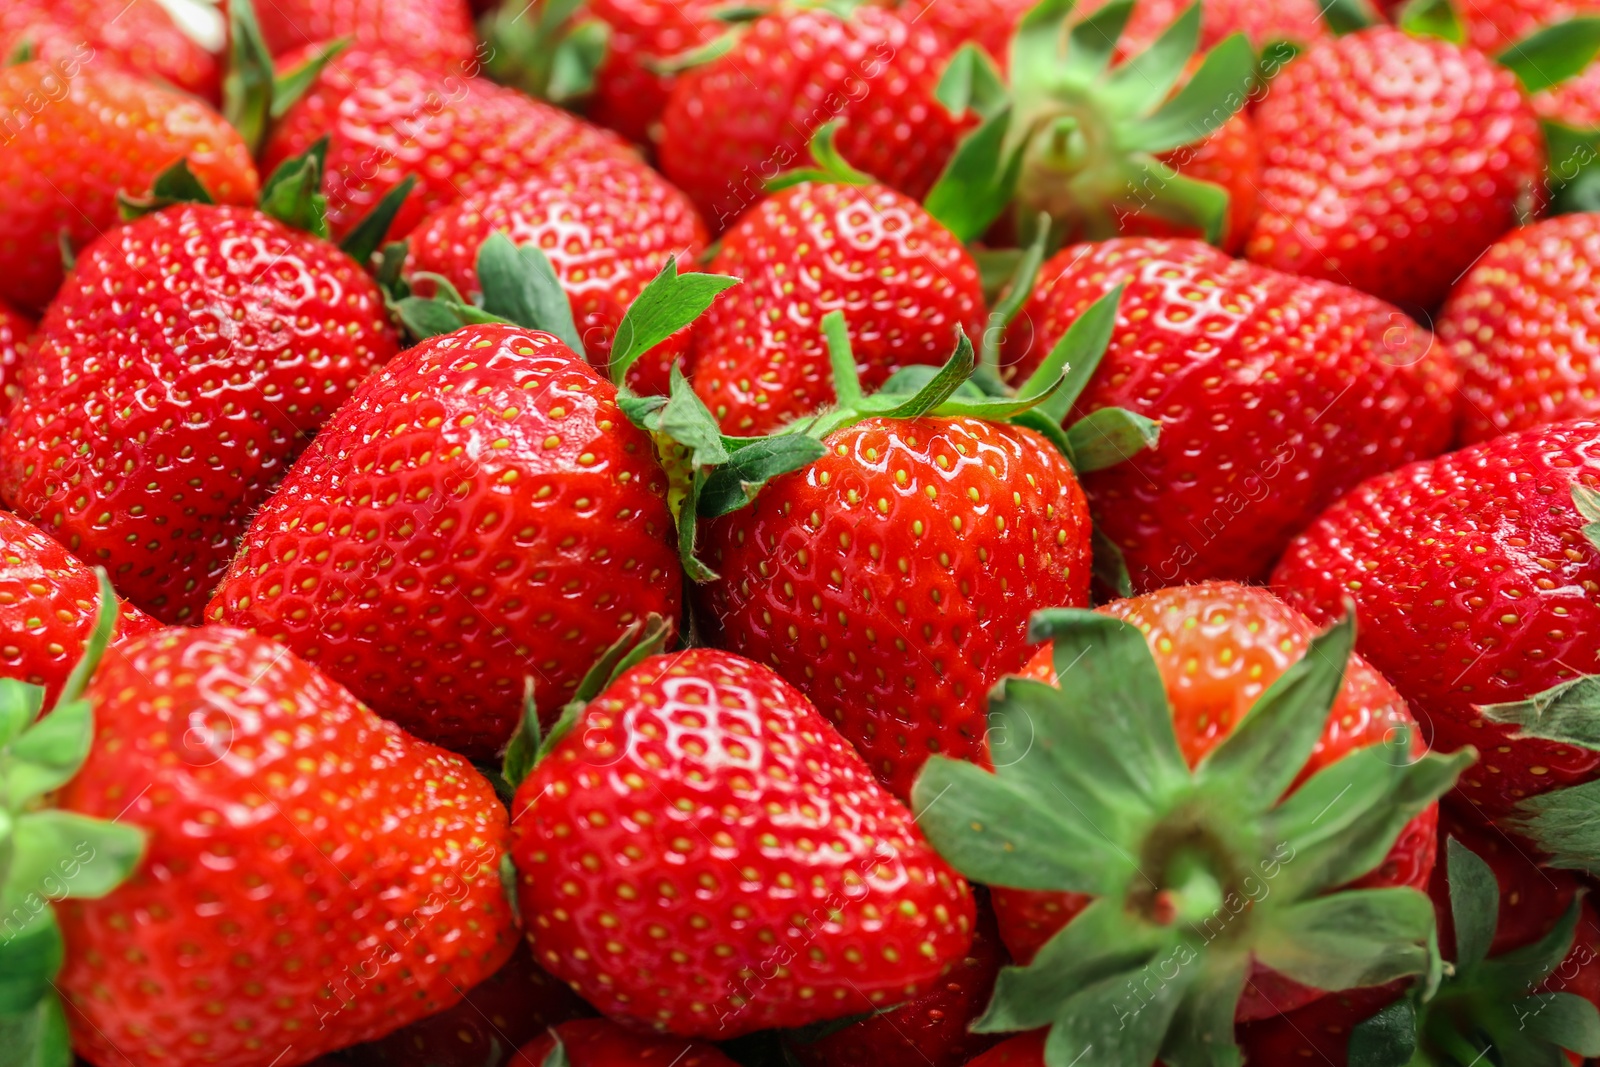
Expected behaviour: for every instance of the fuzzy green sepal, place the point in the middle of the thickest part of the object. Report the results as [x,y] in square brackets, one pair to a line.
[544,50]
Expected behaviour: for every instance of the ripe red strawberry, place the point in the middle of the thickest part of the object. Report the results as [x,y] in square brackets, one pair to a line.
[479,514]
[1218,647]
[77,134]
[904,283]
[608,228]
[1026,1050]
[511,1007]
[181,369]
[1173,788]
[602,1043]
[1491,27]
[737,867]
[437,32]
[629,96]
[15,329]
[1275,394]
[989,24]
[1264,22]
[1390,162]
[313,875]
[47,602]
[388,118]
[744,117]
[1476,584]
[140,36]
[1517,327]
[930,1031]
[1318,1033]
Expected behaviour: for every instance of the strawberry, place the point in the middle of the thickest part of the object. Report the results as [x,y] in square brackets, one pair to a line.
[187,359]
[1275,394]
[387,117]
[313,875]
[989,24]
[930,1031]
[509,1008]
[1318,1033]
[480,513]
[15,329]
[1475,577]
[435,32]
[1492,27]
[738,868]
[608,227]
[602,1043]
[78,134]
[1026,1050]
[141,37]
[1298,22]
[1173,786]
[1516,326]
[1390,162]
[47,600]
[904,284]
[740,119]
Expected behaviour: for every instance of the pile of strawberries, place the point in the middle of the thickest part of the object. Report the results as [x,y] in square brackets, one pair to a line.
[821,533]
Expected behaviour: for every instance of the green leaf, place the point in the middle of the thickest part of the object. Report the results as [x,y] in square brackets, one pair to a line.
[292,85]
[686,419]
[942,386]
[1110,658]
[576,61]
[979,180]
[94,649]
[1092,42]
[831,167]
[424,318]
[1110,568]
[1433,18]
[23,52]
[1266,751]
[101,853]
[688,531]
[1035,59]
[521,286]
[557,1056]
[1350,16]
[1110,1025]
[971,82]
[1143,81]
[700,56]
[1515,972]
[1216,92]
[1474,904]
[31,951]
[1563,1019]
[1025,271]
[1562,825]
[522,752]
[670,302]
[1359,937]
[20,704]
[1553,54]
[247,87]
[1001,831]
[293,194]
[37,1037]
[842,361]
[47,756]
[1388,1039]
[1568,713]
[1163,193]
[365,237]
[1110,436]
[391,265]
[734,484]
[1587,502]
[175,185]
[1078,354]
[1201,1034]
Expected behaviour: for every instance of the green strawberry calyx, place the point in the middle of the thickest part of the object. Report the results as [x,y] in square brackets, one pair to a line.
[1080,140]
[531,743]
[1483,1009]
[48,855]
[544,49]
[1196,874]
[253,93]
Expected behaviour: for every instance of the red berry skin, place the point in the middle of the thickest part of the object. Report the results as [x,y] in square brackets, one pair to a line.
[1024,1050]
[1518,327]
[892,579]
[1219,646]
[1264,22]
[1318,1033]
[15,329]
[76,134]
[1390,162]
[602,1043]
[734,867]
[930,1031]
[479,513]
[1491,27]
[608,228]
[388,117]
[139,37]
[789,74]
[1275,395]
[1474,585]
[48,600]
[514,1005]
[436,32]
[313,875]
[904,283]
[189,356]
[629,97]
[990,24]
